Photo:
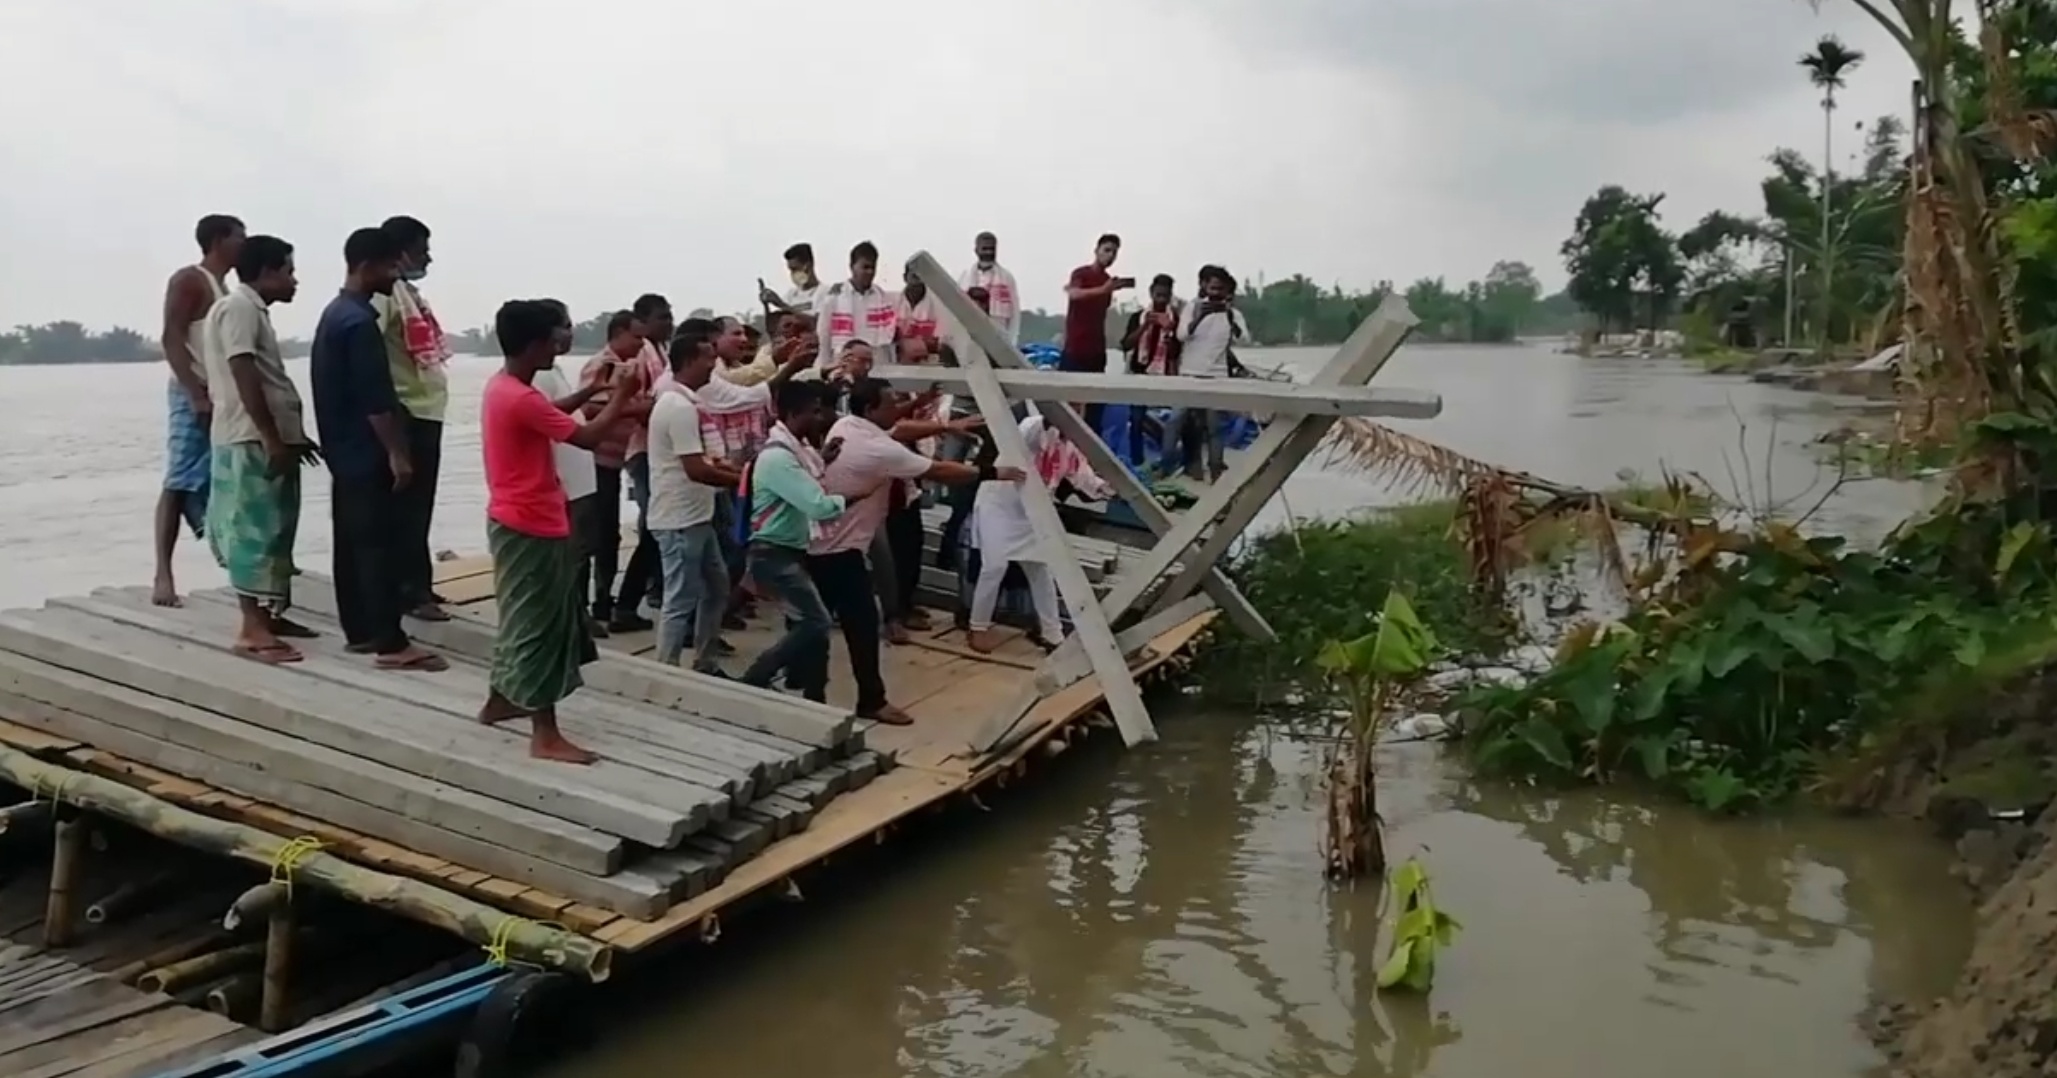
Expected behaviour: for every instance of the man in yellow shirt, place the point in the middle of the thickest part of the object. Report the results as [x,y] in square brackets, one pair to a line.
[418,356]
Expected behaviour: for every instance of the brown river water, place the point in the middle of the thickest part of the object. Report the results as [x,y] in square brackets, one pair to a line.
[1162,912]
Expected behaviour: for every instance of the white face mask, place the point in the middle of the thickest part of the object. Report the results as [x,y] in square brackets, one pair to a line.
[801,278]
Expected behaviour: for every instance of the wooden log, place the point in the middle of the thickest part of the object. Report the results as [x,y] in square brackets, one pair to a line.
[201,968]
[621,891]
[525,940]
[65,866]
[1166,391]
[628,675]
[127,898]
[278,966]
[609,798]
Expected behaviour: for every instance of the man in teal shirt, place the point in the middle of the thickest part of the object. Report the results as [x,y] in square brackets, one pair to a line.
[418,356]
[785,504]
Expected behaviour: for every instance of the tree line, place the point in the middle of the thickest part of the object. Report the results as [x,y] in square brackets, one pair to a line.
[71,342]
[1508,302]
[1817,262]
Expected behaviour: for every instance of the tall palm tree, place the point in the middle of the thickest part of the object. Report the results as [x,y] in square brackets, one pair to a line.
[1825,67]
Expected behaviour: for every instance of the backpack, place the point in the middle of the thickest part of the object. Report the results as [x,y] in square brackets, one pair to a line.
[747,517]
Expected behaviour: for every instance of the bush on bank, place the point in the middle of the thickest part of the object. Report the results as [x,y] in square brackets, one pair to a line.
[1324,580]
[1770,665]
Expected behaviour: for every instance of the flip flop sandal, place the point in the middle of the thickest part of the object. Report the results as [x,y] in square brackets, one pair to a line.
[272,655]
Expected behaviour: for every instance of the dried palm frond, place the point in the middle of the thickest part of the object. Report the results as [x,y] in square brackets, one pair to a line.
[1414,465]
[1490,524]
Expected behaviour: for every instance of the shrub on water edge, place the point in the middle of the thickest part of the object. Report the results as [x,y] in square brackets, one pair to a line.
[1324,580]
[1786,662]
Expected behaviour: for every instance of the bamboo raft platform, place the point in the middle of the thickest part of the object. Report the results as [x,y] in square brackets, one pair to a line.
[386,772]
[74,1014]
[327,792]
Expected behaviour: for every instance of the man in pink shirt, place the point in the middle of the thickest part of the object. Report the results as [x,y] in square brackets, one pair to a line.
[642,580]
[866,467]
[541,640]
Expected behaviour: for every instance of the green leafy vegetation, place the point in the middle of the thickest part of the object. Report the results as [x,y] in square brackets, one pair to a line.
[1370,671]
[1419,931]
[1311,582]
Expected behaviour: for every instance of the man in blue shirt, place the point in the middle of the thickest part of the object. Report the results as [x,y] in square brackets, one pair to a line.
[364,438]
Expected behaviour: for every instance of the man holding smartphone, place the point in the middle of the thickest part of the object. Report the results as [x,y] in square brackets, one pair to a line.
[1089,294]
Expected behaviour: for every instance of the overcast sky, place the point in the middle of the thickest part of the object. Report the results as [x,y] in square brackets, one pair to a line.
[596,149]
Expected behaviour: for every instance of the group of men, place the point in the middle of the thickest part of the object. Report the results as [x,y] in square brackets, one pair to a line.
[239,434]
[778,471]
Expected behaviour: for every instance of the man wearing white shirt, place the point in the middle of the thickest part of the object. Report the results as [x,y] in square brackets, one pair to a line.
[800,299]
[857,310]
[1003,296]
[685,481]
[1207,332]
[575,468]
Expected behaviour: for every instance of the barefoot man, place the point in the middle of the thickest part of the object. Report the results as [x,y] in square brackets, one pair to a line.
[187,296]
[260,444]
[542,640]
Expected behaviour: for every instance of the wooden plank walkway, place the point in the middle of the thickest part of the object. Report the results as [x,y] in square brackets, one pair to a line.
[66,1016]
[387,769]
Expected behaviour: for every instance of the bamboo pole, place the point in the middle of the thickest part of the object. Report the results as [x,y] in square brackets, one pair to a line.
[202,968]
[233,997]
[257,902]
[517,938]
[126,898]
[177,952]
[24,817]
[278,967]
[65,865]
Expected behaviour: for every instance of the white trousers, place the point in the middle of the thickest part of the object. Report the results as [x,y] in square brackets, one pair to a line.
[1042,592]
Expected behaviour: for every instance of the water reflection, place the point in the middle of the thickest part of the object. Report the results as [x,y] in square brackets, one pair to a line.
[1162,913]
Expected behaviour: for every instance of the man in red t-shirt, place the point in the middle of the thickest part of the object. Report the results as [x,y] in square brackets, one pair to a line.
[1089,293]
[541,641]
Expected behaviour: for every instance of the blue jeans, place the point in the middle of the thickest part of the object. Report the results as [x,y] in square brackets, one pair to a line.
[696,592]
[802,654]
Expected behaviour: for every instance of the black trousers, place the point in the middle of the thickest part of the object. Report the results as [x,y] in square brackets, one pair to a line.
[905,533]
[644,576]
[372,557]
[844,581]
[416,510]
[603,525]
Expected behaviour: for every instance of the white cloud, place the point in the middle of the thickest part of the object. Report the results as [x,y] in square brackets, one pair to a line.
[599,149]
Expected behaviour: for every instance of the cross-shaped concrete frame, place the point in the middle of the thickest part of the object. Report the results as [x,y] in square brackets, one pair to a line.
[1244,490]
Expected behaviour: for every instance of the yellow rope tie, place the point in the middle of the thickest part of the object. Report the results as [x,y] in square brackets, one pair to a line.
[496,949]
[288,858]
